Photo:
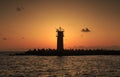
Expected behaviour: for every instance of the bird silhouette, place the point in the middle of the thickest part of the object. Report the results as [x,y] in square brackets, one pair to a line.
[85,30]
[19,8]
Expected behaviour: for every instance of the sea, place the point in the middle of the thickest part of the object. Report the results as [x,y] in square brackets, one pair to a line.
[59,66]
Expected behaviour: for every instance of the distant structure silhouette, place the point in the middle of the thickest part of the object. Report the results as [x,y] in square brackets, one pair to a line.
[60,51]
[60,35]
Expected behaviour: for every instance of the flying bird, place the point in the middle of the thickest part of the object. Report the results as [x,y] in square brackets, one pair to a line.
[4,38]
[85,30]
[19,8]
[23,38]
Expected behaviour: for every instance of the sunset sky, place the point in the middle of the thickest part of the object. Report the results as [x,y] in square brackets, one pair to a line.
[28,24]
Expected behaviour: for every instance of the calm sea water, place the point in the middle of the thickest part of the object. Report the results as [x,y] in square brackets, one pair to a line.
[53,66]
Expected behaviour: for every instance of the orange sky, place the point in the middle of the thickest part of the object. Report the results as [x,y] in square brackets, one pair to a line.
[34,25]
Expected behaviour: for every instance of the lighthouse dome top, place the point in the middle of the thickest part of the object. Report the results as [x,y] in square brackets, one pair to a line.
[60,29]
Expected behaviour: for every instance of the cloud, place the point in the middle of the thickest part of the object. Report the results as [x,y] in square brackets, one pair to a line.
[85,30]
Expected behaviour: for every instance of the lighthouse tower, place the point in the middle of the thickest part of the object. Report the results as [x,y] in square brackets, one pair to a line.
[60,35]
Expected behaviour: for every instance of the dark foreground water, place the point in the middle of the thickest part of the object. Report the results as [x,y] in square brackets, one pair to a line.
[53,66]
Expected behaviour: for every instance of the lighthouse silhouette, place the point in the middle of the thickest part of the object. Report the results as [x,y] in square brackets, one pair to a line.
[60,35]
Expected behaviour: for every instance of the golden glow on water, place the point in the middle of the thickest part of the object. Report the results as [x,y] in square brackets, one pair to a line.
[51,66]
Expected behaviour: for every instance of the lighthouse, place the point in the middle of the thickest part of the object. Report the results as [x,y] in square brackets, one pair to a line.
[60,35]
